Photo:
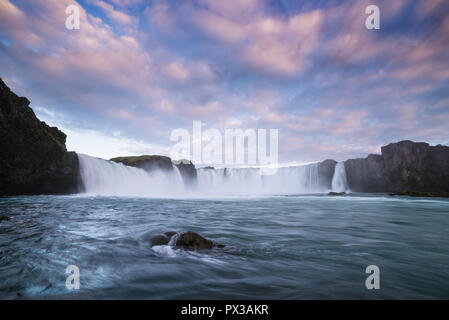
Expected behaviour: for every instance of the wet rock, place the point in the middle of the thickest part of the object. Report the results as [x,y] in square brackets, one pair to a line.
[191,241]
[186,240]
[326,171]
[336,193]
[159,240]
[170,233]
[4,218]
[187,170]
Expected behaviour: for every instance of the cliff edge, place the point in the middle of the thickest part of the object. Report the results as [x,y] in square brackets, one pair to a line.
[33,158]
[402,166]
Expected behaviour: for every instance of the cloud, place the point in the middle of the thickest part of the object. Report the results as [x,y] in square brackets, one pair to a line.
[313,71]
[160,15]
[177,71]
[116,15]
[126,3]
[267,44]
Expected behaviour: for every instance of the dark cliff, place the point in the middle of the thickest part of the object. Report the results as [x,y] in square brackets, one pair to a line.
[187,170]
[402,166]
[154,162]
[326,171]
[33,159]
[148,163]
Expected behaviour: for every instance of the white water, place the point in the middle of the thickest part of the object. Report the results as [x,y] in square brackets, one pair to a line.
[107,178]
[249,181]
[339,180]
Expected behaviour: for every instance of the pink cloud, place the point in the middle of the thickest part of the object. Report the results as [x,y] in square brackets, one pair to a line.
[177,71]
[268,44]
[275,118]
[116,15]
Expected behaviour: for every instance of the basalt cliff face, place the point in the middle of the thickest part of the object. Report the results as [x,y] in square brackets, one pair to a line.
[33,157]
[148,163]
[156,162]
[326,171]
[402,166]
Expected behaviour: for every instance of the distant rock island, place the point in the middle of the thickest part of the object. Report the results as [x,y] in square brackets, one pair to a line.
[34,160]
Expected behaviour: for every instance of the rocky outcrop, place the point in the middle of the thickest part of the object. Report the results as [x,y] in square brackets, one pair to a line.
[326,171]
[186,240]
[187,170]
[156,162]
[33,158]
[161,239]
[336,193]
[147,162]
[402,166]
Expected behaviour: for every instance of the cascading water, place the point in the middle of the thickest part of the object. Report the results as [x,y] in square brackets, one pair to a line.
[107,178]
[249,181]
[339,180]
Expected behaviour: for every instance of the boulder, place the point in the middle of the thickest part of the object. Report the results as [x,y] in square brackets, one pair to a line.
[186,240]
[162,239]
[191,241]
[4,218]
[34,158]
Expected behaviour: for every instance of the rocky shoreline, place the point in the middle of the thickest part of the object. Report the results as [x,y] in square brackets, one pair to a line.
[34,160]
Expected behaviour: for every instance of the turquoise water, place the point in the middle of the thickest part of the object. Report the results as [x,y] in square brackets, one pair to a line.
[295,247]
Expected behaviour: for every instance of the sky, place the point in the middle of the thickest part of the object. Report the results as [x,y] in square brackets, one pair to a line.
[136,70]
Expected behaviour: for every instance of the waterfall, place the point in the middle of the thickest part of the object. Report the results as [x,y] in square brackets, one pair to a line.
[248,181]
[108,178]
[339,180]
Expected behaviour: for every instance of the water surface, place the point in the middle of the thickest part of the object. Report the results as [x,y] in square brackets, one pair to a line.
[278,247]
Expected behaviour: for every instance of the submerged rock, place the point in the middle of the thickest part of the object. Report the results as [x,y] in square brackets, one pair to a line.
[162,239]
[186,240]
[336,193]
[159,240]
[191,241]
